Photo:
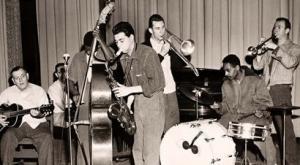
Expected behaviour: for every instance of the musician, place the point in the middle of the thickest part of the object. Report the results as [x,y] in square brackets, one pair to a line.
[279,66]
[57,94]
[243,92]
[144,81]
[28,96]
[157,29]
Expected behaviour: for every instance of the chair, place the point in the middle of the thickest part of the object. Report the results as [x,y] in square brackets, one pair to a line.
[26,151]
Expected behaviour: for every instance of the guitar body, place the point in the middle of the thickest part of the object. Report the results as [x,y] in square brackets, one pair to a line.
[14,113]
[12,122]
[100,124]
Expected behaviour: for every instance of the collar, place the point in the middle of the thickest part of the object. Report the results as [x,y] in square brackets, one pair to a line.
[241,78]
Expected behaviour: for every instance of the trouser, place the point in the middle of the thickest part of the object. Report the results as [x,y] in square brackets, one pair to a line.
[171,110]
[267,149]
[281,96]
[149,116]
[41,137]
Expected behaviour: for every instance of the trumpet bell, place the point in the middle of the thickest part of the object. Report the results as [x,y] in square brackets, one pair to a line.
[187,47]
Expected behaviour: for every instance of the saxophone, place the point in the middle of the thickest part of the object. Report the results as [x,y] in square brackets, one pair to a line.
[119,109]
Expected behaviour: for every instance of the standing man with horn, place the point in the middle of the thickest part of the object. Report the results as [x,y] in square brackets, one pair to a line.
[279,66]
[157,30]
[144,81]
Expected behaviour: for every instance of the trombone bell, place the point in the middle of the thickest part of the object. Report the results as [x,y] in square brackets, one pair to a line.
[187,47]
[181,47]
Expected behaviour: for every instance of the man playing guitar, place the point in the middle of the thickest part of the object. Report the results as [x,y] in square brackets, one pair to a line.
[26,95]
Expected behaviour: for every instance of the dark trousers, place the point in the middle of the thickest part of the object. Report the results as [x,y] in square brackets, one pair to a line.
[41,137]
[281,96]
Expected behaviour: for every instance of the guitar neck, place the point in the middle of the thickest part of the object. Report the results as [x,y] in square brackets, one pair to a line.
[18,113]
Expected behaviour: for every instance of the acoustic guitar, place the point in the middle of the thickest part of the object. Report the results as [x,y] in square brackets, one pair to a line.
[14,113]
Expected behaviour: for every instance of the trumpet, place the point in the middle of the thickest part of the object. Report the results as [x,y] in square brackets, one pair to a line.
[259,49]
[181,48]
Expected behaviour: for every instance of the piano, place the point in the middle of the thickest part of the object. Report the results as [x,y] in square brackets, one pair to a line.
[208,82]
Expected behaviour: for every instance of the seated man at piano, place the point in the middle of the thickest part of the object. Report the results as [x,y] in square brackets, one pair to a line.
[31,100]
[245,98]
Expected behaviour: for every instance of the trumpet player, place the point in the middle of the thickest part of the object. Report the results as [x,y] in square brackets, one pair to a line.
[157,30]
[279,65]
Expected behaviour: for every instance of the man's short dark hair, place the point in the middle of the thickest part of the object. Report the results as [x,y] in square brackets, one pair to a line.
[286,22]
[88,39]
[232,59]
[155,17]
[124,27]
[16,69]
[57,66]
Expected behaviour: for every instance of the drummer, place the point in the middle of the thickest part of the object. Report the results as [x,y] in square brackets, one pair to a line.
[245,98]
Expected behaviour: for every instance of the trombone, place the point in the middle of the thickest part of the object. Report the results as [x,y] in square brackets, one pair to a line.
[181,48]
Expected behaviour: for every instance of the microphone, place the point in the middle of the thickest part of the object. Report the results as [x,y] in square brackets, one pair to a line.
[66,57]
[191,146]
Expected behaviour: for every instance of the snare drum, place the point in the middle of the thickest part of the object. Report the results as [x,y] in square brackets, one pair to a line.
[247,131]
[202,142]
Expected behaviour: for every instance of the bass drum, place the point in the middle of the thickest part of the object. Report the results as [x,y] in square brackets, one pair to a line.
[202,142]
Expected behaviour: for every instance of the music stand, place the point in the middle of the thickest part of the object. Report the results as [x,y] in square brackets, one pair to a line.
[283,109]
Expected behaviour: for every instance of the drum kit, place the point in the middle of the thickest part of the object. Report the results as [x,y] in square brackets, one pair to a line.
[207,142]
[201,97]
[197,142]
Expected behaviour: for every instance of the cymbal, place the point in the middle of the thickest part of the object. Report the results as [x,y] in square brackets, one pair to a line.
[283,107]
[197,94]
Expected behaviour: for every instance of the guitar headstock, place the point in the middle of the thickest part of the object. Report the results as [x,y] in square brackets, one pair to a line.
[47,108]
[106,11]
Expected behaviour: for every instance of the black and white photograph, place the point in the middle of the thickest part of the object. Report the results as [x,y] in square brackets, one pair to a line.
[149,82]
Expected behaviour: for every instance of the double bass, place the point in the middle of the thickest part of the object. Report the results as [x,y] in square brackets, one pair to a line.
[100,133]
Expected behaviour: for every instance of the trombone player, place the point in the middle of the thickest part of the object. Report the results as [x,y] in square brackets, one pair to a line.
[279,66]
[157,33]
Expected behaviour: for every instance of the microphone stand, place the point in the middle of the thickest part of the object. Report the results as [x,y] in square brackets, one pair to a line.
[67,101]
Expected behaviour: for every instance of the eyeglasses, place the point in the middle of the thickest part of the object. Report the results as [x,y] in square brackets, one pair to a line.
[20,77]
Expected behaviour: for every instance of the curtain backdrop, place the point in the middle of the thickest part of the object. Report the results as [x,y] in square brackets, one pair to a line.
[61,27]
[10,39]
[3,47]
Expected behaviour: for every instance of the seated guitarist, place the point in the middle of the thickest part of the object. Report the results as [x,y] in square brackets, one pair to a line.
[28,96]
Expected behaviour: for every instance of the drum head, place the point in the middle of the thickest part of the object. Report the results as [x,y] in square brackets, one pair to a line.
[212,144]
